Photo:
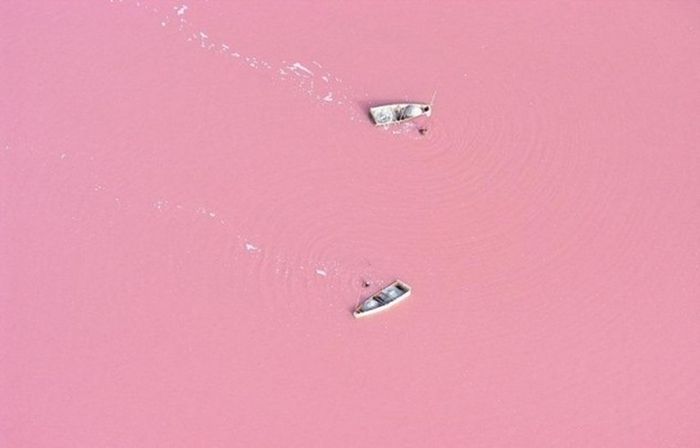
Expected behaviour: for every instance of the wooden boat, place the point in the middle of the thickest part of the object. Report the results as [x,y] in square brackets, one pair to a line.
[383,300]
[398,113]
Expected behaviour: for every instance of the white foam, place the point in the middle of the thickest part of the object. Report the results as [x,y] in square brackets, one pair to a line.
[298,66]
[304,78]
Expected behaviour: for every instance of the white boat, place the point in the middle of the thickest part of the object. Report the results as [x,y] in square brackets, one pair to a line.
[398,113]
[383,300]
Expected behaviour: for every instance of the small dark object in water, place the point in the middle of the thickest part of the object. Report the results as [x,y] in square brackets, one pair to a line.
[365,284]
[423,131]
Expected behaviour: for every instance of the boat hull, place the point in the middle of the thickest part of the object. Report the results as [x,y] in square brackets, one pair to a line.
[383,300]
[398,113]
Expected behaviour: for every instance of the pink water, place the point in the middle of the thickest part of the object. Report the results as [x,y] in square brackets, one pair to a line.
[191,196]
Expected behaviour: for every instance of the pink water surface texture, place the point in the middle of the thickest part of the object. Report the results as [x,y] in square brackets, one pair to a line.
[193,198]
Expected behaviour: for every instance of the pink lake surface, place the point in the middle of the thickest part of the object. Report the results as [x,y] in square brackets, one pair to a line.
[191,196]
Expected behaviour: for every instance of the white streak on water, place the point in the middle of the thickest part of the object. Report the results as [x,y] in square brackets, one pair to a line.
[298,66]
[304,76]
